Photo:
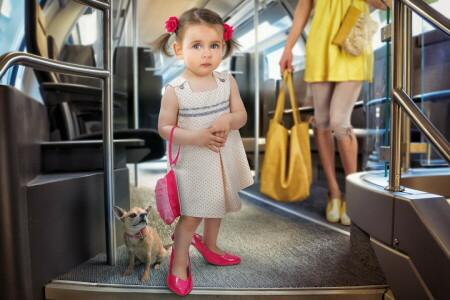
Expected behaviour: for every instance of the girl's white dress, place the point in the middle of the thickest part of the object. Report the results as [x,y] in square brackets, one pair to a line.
[208,182]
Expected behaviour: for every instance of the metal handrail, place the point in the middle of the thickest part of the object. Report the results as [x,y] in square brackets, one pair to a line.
[430,14]
[401,85]
[108,150]
[37,62]
[423,123]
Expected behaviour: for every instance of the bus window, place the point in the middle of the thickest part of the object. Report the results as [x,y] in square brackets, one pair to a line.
[12,26]
[87,27]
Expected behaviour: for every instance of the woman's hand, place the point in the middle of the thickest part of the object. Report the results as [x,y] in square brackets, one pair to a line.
[206,137]
[286,61]
[222,126]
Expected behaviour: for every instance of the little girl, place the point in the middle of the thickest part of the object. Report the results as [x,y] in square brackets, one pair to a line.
[207,108]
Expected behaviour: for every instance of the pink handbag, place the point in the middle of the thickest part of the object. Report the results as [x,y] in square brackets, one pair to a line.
[166,190]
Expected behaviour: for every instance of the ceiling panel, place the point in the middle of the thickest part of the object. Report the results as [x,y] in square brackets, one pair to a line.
[153,14]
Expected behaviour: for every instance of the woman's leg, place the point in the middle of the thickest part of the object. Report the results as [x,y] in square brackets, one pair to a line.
[182,240]
[322,93]
[211,227]
[344,97]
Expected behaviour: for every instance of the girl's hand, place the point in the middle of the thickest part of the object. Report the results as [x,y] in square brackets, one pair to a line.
[207,138]
[286,61]
[222,126]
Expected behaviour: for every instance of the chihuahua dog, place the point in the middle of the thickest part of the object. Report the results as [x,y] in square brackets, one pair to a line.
[143,242]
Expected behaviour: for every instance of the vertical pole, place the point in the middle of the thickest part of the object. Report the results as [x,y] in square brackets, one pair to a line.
[256,71]
[395,134]
[108,150]
[135,83]
[135,67]
[407,78]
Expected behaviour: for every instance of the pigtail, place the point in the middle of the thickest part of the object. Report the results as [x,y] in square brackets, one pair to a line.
[232,45]
[162,44]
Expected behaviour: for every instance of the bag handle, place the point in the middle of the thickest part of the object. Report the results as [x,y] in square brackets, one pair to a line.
[287,80]
[172,161]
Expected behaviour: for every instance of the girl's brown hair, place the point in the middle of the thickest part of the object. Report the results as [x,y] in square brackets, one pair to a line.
[193,16]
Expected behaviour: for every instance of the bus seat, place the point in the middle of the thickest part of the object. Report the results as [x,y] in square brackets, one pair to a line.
[78,54]
[76,109]
[87,113]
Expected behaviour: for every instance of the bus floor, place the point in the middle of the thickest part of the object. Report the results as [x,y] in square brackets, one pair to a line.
[284,256]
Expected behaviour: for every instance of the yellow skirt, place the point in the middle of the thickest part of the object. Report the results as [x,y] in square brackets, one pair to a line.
[328,62]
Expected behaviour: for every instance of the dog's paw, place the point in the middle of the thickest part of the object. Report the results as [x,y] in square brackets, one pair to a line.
[127,272]
[156,266]
[144,277]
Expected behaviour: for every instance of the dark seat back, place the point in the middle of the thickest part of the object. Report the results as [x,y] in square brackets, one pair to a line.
[36,40]
[82,55]
[149,84]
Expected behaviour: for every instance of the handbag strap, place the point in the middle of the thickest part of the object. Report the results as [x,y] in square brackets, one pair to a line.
[287,81]
[172,161]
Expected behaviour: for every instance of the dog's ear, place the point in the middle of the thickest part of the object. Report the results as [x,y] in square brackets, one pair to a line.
[148,209]
[119,212]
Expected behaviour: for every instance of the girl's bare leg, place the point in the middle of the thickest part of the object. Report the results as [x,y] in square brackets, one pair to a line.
[183,235]
[211,227]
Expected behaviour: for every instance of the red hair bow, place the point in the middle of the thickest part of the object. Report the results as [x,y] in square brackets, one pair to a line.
[227,32]
[172,24]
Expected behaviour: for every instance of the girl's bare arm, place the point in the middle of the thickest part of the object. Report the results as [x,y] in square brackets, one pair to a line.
[237,116]
[168,117]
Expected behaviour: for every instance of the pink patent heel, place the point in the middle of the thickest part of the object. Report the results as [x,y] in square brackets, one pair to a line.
[211,257]
[179,286]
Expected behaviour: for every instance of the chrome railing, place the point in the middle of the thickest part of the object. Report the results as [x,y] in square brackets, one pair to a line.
[401,85]
[37,62]
[44,64]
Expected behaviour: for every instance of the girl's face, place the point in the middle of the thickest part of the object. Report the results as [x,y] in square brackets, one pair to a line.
[201,48]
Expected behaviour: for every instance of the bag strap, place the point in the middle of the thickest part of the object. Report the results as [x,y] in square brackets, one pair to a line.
[287,81]
[172,161]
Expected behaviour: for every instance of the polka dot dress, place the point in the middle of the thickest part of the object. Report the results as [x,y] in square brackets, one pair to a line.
[208,182]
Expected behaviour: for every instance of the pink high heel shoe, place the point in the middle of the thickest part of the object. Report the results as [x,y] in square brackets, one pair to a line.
[211,257]
[179,286]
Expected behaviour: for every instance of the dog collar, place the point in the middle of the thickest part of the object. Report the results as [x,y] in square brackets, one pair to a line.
[139,235]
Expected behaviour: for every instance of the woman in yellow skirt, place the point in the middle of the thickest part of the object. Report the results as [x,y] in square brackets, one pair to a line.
[336,79]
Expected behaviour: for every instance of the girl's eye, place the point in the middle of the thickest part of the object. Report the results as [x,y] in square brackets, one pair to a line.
[215,46]
[196,46]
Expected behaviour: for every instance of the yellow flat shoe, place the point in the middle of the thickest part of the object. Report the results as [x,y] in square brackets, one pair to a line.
[333,210]
[345,220]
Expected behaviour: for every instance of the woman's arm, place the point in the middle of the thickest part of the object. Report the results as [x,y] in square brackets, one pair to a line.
[301,15]
[168,116]
[380,4]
